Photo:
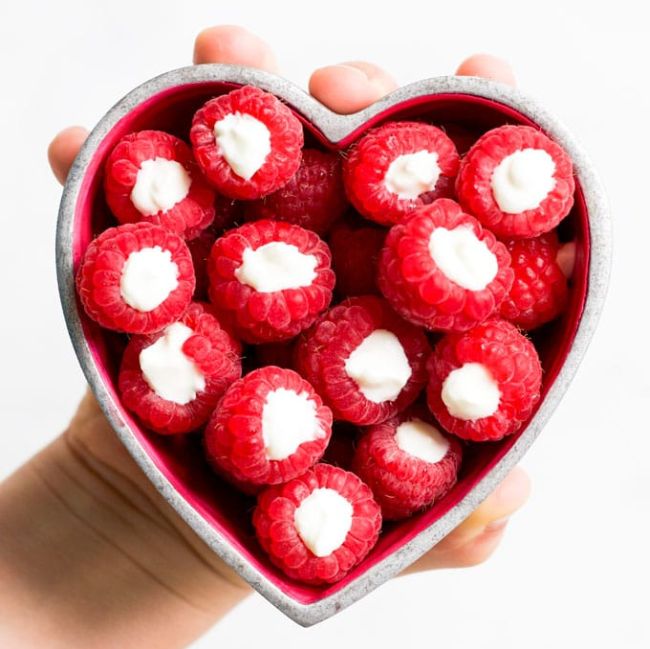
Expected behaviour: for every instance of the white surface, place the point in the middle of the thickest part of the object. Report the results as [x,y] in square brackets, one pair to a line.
[323,520]
[573,567]
[166,369]
[148,277]
[412,174]
[470,392]
[522,180]
[244,142]
[276,266]
[421,440]
[379,366]
[463,257]
[159,185]
[288,420]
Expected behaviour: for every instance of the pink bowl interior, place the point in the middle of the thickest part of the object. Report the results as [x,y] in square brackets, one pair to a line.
[180,458]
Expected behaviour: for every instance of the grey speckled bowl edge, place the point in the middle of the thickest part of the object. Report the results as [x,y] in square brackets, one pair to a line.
[336,127]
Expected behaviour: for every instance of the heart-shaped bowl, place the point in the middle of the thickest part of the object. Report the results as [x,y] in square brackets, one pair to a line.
[175,465]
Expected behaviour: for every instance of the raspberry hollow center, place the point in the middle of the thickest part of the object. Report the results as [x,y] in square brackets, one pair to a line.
[159,185]
[412,174]
[167,370]
[522,180]
[421,440]
[323,520]
[148,277]
[276,266]
[470,392]
[288,420]
[244,142]
[463,257]
[379,366]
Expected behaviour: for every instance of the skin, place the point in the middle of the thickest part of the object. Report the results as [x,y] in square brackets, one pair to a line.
[90,554]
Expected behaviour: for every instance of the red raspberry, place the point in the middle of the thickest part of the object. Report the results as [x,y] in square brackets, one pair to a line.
[313,198]
[228,213]
[269,427]
[336,356]
[495,384]
[243,169]
[270,312]
[120,283]
[200,250]
[150,386]
[540,290]
[514,216]
[386,187]
[450,292]
[407,462]
[138,178]
[278,518]
[355,250]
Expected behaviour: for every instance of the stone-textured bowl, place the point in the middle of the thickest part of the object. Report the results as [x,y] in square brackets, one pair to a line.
[218,514]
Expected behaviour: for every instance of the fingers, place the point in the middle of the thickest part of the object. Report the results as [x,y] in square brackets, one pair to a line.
[63,150]
[476,538]
[349,87]
[488,67]
[235,45]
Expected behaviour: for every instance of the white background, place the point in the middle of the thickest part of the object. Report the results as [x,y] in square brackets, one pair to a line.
[573,568]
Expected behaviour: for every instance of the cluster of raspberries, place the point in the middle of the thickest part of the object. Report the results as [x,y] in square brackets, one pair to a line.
[382,292]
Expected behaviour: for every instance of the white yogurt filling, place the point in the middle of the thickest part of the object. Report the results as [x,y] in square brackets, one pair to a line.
[470,392]
[412,174]
[421,440]
[276,266]
[323,520]
[463,257]
[379,366]
[244,142]
[148,277]
[159,185]
[166,369]
[288,420]
[522,180]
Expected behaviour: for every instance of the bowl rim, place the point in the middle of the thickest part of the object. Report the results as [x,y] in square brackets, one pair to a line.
[336,128]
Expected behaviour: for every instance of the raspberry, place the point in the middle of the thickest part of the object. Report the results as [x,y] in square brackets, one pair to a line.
[159,373]
[136,278]
[540,290]
[200,250]
[365,362]
[299,524]
[355,250]
[248,143]
[516,182]
[269,427]
[407,462]
[484,383]
[270,279]
[440,269]
[397,167]
[151,176]
[313,198]
[228,213]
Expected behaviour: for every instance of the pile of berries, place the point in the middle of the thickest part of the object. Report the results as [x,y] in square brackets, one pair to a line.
[385,289]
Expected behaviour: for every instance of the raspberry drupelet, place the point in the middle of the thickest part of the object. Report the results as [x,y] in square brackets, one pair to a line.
[270,426]
[441,270]
[151,176]
[366,362]
[247,142]
[484,383]
[270,279]
[173,379]
[407,462]
[313,198]
[318,526]
[516,181]
[397,167]
[136,278]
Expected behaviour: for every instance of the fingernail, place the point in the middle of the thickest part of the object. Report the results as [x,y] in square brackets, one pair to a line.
[497,525]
